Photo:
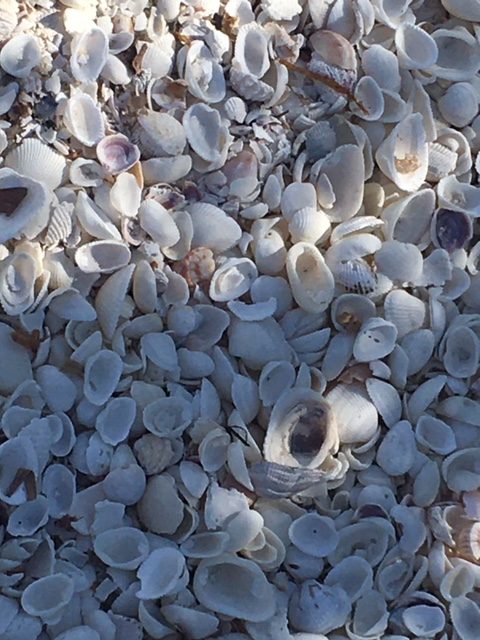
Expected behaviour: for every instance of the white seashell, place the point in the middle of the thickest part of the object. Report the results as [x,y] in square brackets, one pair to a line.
[308,225]
[318,608]
[268,246]
[144,287]
[424,619]
[116,153]
[352,574]
[459,470]
[376,339]
[167,170]
[58,485]
[24,207]
[110,299]
[94,220]
[255,311]
[382,65]
[418,346]
[344,166]
[126,194]
[48,596]
[80,632]
[89,52]
[102,374]
[368,94]
[160,509]
[355,415]
[114,422]
[234,587]
[8,20]
[168,417]
[301,431]
[160,349]
[213,450]
[457,582]
[57,388]
[396,452]
[463,9]
[459,104]
[121,548]
[205,545]
[416,49]
[83,119]
[371,615]
[20,55]
[399,261]
[207,135]
[251,50]
[212,228]
[408,218]
[297,196]
[386,399]
[232,279]
[35,160]
[424,395]
[160,134]
[462,352]
[204,74]
[17,278]
[162,573]
[458,54]
[158,223]
[8,95]
[350,310]
[192,622]
[102,256]
[404,311]
[275,378]
[28,517]
[435,434]
[403,155]
[313,534]
[310,279]
[235,109]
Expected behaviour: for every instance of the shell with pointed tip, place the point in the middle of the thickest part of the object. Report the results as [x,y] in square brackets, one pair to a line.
[403,155]
[20,55]
[302,430]
[83,119]
[117,154]
[310,279]
[36,160]
[234,587]
[102,256]
[89,53]
[24,205]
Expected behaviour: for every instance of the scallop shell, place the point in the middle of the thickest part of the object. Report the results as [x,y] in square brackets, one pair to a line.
[301,431]
[89,52]
[83,118]
[355,414]
[310,279]
[20,55]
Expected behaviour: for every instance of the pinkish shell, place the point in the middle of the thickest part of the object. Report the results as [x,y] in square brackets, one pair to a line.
[116,153]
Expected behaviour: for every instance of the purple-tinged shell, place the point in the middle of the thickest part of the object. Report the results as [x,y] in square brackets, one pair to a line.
[451,230]
[116,153]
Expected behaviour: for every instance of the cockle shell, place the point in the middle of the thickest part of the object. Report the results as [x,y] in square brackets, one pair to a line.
[36,160]
[232,279]
[116,153]
[458,54]
[121,548]
[310,279]
[301,431]
[83,118]
[355,414]
[162,573]
[416,49]
[160,134]
[89,54]
[103,256]
[204,74]
[102,374]
[20,55]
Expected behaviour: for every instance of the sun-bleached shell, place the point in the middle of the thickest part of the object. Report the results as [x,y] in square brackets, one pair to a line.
[310,278]
[37,161]
[83,118]
[89,54]
[20,55]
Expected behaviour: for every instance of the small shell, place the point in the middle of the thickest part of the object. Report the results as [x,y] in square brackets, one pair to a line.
[313,534]
[35,160]
[416,49]
[399,261]
[102,374]
[204,74]
[232,279]
[435,434]
[89,52]
[459,104]
[160,134]
[103,256]
[451,230]
[162,573]
[212,228]
[28,517]
[114,422]
[158,223]
[458,54]
[356,416]
[353,574]
[405,311]
[117,154]
[396,453]
[110,298]
[317,608]
[48,596]
[20,55]
[121,548]
[462,352]
[83,118]
[207,135]
[310,279]
[308,225]
[86,173]
[376,339]
[58,485]
[251,50]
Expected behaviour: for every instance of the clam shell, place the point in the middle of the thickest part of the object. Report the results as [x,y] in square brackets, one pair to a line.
[121,548]
[116,153]
[404,311]
[301,431]
[435,434]
[110,298]
[376,339]
[212,228]
[317,608]
[416,49]
[58,485]
[399,261]
[207,135]
[458,54]
[459,104]
[83,118]
[48,596]
[310,279]
[162,573]
[204,74]
[355,415]
[20,55]
[28,517]
[396,452]
[94,220]
[353,574]
[313,534]
[251,50]
[102,374]
[158,223]
[103,256]
[465,616]
[160,134]
[232,279]
[89,52]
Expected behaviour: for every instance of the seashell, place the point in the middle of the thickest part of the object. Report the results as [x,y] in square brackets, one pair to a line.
[110,298]
[83,119]
[191,622]
[435,434]
[89,52]
[158,223]
[396,452]
[35,160]
[297,196]
[235,109]
[68,304]
[308,225]
[115,71]
[17,279]
[48,596]
[20,55]
[160,349]
[275,378]
[451,230]
[168,417]
[255,311]
[313,534]
[160,134]
[399,261]
[416,49]
[94,220]
[251,50]
[424,619]
[371,614]
[268,246]
[442,161]
[457,196]
[207,135]
[234,587]
[350,310]
[465,616]
[458,54]
[352,574]
[403,155]
[160,509]
[102,256]
[456,582]
[28,517]
[344,166]
[56,387]
[459,104]
[382,65]
[376,339]
[404,311]
[213,450]
[399,217]
[24,205]
[58,485]
[8,20]
[205,545]
[125,195]
[310,279]
[386,399]
[122,548]
[241,174]
[462,9]
[102,375]
[8,95]
[162,573]
[204,74]
[301,431]
[462,352]
[418,346]
[168,169]
[212,228]
[355,415]
[317,608]
[114,422]
[117,154]
[232,279]
[368,94]
[80,632]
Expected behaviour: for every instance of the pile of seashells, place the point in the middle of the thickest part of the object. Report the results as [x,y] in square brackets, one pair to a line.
[240,319]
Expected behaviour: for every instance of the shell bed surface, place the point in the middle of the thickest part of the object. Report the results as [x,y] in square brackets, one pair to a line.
[239,319]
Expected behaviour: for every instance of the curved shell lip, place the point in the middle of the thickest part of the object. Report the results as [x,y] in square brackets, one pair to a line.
[11,60]
[301,431]
[123,153]
[90,260]
[89,54]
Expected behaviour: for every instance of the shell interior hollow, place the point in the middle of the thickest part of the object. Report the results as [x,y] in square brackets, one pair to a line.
[308,431]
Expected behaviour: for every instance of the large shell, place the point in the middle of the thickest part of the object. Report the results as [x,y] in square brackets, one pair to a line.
[301,431]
